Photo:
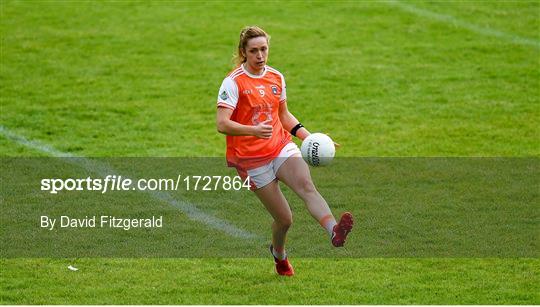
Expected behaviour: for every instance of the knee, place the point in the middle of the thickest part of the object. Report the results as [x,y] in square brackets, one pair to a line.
[284,222]
[306,186]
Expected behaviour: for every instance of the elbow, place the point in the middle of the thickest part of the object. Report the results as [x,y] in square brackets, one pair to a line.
[287,125]
[220,125]
[287,120]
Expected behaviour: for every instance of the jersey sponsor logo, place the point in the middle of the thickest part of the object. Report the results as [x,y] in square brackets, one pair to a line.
[224,95]
[274,89]
[261,113]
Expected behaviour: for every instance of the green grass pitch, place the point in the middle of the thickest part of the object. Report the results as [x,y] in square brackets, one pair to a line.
[384,79]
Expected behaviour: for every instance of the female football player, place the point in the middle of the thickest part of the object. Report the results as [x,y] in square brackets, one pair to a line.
[252,113]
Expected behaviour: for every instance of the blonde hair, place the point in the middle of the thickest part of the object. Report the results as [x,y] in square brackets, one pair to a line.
[246,34]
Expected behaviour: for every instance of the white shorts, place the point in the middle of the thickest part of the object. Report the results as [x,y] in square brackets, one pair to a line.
[263,175]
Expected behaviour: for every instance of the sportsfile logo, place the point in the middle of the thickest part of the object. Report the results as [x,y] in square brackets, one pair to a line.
[109,183]
[121,183]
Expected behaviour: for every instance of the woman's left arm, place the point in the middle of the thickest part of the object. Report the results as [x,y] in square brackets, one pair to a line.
[289,121]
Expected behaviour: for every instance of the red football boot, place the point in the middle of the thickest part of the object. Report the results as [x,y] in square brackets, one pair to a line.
[283,267]
[342,229]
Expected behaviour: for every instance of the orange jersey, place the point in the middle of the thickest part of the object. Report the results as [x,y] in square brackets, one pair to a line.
[254,99]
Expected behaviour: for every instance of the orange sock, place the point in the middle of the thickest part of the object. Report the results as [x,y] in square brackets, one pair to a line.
[328,222]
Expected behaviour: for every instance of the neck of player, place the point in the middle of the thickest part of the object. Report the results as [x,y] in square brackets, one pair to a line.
[254,70]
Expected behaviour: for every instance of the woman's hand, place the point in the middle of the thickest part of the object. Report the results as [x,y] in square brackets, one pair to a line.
[263,130]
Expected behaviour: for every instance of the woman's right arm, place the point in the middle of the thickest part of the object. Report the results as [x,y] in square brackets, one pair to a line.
[229,127]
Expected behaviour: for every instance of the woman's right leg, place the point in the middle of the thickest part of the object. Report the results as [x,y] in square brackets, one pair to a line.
[276,204]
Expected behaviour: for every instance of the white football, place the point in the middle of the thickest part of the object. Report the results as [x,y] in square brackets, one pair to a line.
[318,149]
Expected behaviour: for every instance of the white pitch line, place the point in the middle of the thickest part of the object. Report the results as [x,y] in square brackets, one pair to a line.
[512,38]
[36,145]
[192,211]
